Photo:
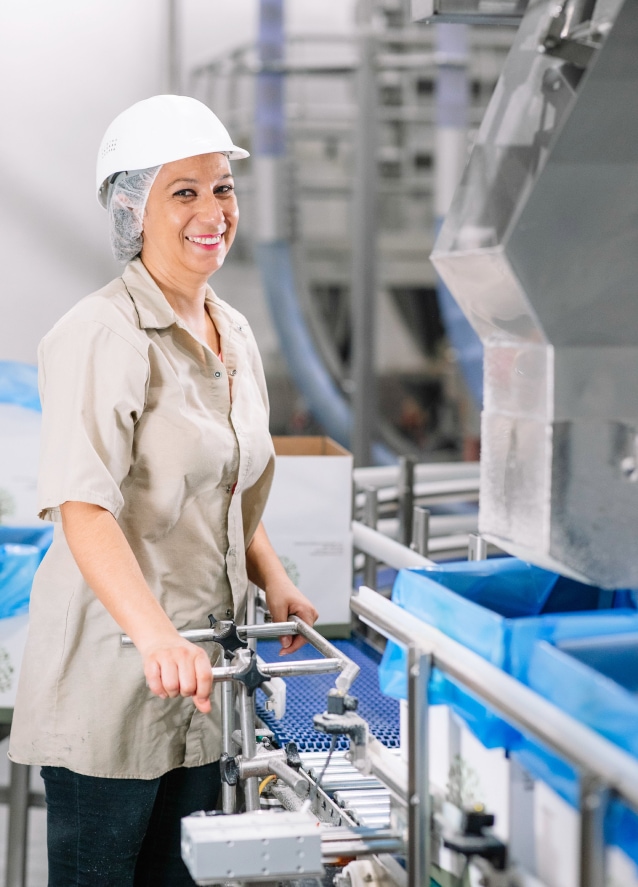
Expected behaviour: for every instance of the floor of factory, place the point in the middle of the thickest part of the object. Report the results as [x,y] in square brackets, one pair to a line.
[36,854]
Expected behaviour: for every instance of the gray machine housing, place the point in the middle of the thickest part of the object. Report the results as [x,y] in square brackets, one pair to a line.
[540,248]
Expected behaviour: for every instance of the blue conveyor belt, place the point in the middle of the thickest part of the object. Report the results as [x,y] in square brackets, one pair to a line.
[307,696]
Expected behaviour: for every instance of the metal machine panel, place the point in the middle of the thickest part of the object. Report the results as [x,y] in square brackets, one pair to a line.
[539,248]
[254,846]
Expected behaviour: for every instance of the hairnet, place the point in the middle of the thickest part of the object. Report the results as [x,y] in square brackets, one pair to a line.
[126,201]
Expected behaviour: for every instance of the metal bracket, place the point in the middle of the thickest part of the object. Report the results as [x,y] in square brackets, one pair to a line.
[229,769]
[226,636]
[251,676]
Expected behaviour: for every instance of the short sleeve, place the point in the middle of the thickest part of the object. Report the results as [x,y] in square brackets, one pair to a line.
[93,388]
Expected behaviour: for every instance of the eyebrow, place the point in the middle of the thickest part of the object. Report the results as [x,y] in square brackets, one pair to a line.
[227,175]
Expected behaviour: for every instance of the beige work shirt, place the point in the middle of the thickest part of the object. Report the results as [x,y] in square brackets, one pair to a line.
[138,418]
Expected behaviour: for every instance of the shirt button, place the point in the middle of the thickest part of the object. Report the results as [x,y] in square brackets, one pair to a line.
[217,374]
[228,488]
[231,552]
[232,373]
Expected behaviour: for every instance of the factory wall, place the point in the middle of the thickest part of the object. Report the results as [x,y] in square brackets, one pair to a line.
[67,68]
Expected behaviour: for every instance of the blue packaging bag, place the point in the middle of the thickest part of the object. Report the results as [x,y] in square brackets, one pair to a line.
[500,607]
[21,550]
[595,680]
[18,564]
[19,384]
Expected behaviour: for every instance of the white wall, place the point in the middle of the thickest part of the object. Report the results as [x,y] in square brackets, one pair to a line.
[67,67]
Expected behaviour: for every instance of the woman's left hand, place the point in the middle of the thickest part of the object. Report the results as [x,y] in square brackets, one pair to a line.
[285,600]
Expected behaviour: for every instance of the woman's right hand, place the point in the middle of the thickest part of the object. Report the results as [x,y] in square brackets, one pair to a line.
[178,668]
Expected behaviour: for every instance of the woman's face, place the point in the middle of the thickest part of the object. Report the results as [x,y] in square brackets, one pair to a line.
[191,216]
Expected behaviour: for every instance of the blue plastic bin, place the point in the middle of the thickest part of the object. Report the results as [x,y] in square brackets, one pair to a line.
[21,550]
[511,613]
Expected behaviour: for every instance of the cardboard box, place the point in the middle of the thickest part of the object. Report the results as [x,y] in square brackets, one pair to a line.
[308,519]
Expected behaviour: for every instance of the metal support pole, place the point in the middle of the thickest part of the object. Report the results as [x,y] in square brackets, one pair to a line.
[406,498]
[594,797]
[251,613]
[249,746]
[229,792]
[370,518]
[419,666]
[173,46]
[476,547]
[364,249]
[17,833]
[420,530]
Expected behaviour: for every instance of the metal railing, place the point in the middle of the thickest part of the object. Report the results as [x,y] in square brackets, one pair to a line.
[604,768]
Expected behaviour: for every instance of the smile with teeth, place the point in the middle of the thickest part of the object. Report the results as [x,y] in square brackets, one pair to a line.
[207,240]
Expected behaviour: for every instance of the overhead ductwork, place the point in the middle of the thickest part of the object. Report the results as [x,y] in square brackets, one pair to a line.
[540,248]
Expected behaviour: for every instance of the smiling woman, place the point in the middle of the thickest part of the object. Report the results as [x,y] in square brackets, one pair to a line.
[188,228]
[157,460]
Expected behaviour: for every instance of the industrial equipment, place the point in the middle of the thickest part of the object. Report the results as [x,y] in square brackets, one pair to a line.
[537,248]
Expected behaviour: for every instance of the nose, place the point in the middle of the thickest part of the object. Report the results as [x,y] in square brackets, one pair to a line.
[212,211]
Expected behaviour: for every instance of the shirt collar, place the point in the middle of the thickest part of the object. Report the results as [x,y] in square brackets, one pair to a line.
[150,303]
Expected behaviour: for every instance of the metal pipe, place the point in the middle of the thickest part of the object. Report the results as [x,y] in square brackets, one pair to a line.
[370,518]
[406,498]
[334,783]
[16,865]
[520,705]
[594,798]
[249,746]
[173,47]
[204,635]
[332,851]
[251,614]
[360,802]
[353,797]
[419,668]
[229,792]
[420,530]
[350,669]
[304,667]
[476,547]
[388,475]
[386,550]
[292,778]
[363,286]
[282,669]
[457,489]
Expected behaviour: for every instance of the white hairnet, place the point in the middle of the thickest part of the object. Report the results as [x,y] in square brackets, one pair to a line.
[126,201]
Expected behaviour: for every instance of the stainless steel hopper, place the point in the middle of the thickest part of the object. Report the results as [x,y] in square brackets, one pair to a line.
[540,248]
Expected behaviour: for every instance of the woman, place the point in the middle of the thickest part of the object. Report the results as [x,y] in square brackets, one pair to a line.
[156,465]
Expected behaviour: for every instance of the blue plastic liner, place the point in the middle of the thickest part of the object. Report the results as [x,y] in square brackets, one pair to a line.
[603,696]
[500,607]
[19,384]
[21,550]
[18,564]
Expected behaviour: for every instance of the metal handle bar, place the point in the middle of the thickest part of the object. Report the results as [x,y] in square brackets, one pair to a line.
[349,669]
[203,635]
[335,660]
[281,669]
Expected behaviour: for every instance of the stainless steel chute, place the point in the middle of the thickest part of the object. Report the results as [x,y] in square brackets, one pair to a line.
[540,248]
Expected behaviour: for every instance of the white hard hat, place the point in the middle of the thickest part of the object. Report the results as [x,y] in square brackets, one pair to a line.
[159,130]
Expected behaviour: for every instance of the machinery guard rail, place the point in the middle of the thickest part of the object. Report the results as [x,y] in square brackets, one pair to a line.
[603,765]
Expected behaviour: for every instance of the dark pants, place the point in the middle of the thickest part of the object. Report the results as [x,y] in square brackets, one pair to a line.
[122,832]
